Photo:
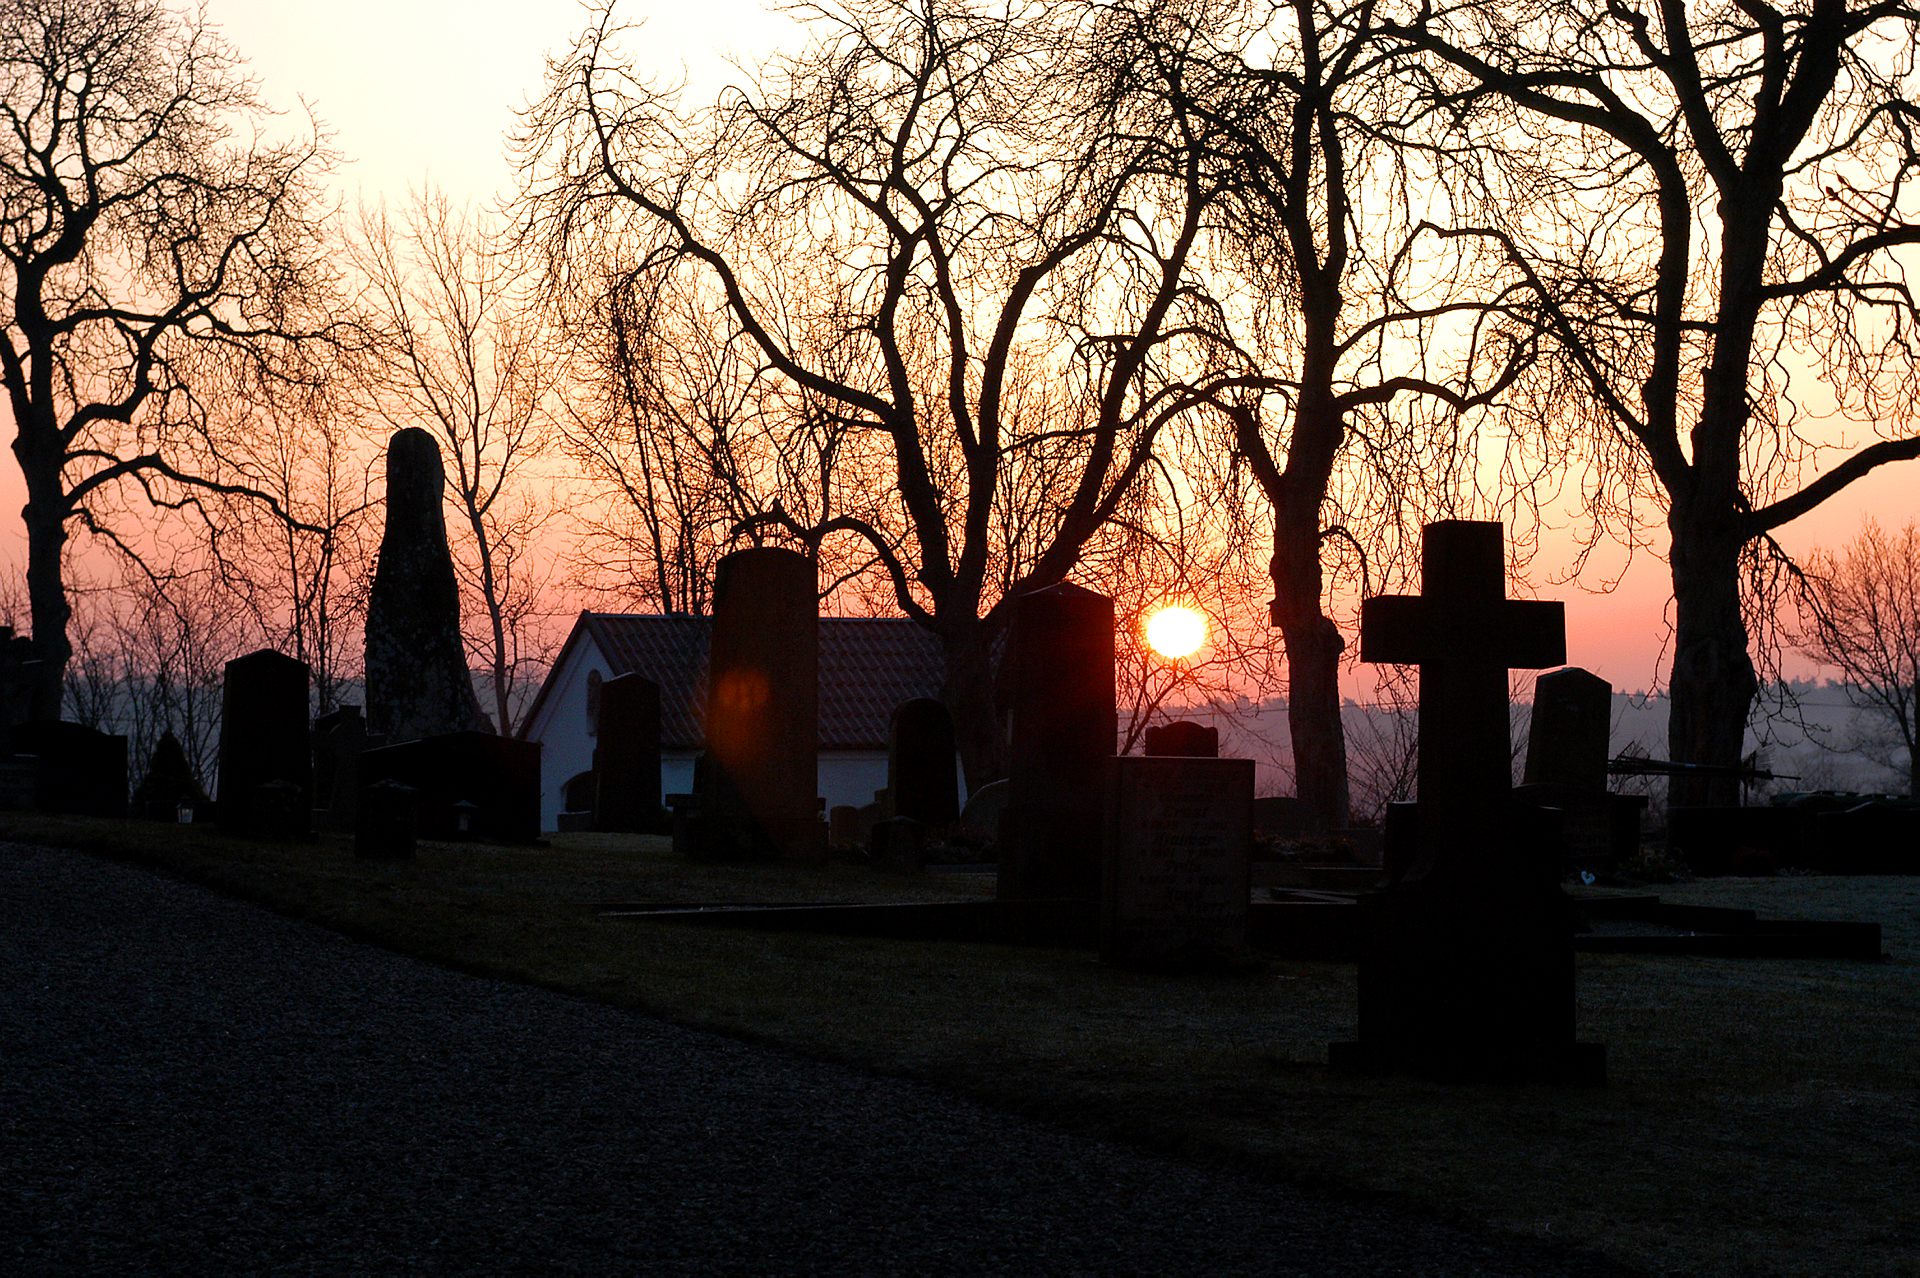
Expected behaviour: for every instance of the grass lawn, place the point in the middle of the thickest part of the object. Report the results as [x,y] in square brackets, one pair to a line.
[1761,1115]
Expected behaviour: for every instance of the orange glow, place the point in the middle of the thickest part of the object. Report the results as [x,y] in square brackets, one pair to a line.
[1176,632]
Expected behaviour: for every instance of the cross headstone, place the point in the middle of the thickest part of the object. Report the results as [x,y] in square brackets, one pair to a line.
[626,756]
[1465,635]
[1058,680]
[417,679]
[1467,964]
[265,741]
[922,777]
[757,790]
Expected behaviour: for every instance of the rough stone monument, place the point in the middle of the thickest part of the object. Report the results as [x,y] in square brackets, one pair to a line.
[1058,681]
[168,786]
[1466,970]
[626,756]
[756,788]
[265,746]
[417,679]
[1178,883]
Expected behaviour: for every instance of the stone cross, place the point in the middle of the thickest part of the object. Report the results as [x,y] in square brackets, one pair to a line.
[1464,634]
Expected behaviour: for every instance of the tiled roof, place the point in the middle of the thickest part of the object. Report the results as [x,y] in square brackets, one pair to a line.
[868,665]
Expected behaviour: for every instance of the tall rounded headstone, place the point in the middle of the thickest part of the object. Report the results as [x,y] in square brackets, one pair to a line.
[265,746]
[626,756]
[922,763]
[763,709]
[417,679]
[1059,686]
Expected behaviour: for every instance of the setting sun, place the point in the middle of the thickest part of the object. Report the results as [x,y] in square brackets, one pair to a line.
[1176,632]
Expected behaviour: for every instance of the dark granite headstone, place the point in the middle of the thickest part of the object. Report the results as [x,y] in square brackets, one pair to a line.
[169,786]
[1178,886]
[264,738]
[923,781]
[1183,739]
[339,739]
[757,789]
[417,679]
[626,757]
[1567,770]
[1059,681]
[1467,961]
[384,822]
[498,776]
[74,769]
[19,668]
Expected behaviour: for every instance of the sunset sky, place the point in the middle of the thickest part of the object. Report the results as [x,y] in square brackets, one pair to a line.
[432,94]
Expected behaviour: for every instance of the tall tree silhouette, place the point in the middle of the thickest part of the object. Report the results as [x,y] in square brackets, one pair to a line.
[157,254]
[1712,200]
[933,231]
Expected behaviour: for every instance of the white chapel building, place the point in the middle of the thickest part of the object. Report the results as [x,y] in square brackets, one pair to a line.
[868,665]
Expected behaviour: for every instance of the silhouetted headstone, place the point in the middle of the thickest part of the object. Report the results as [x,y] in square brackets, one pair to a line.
[339,739]
[1567,770]
[498,776]
[1178,883]
[18,669]
[1059,687]
[923,781]
[74,769]
[626,756]
[417,679]
[1183,739]
[384,822]
[1467,963]
[264,739]
[757,788]
[169,785]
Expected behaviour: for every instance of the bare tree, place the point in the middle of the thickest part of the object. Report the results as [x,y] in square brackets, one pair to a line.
[940,245]
[466,351]
[1711,201]
[157,250]
[1863,613]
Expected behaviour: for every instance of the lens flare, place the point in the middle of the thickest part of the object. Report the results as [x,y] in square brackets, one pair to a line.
[1176,632]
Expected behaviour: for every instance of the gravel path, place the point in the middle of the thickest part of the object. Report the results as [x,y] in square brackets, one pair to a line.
[189,1083]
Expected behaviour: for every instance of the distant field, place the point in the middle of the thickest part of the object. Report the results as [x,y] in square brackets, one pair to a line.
[1761,1115]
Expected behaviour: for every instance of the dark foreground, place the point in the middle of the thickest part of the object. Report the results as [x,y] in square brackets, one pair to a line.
[189,1083]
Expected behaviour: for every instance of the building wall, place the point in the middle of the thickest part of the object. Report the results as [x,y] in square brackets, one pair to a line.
[845,776]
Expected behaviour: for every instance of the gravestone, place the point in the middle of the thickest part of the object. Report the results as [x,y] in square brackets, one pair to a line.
[384,822]
[1183,739]
[1466,970]
[923,783]
[1177,887]
[417,679]
[1566,770]
[1058,681]
[493,781]
[169,787]
[626,757]
[264,740]
[756,792]
[339,739]
[70,768]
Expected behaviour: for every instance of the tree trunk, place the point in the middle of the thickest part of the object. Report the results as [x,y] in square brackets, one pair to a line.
[45,516]
[968,688]
[1713,679]
[1313,678]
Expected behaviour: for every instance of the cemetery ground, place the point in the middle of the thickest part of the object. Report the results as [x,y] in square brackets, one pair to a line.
[1760,1115]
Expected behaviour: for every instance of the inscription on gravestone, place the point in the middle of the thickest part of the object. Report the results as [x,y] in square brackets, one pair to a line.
[1177,885]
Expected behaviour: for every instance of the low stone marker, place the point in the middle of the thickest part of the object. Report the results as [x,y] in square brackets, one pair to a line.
[384,822]
[1177,886]
[71,768]
[498,776]
[1183,739]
